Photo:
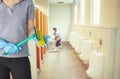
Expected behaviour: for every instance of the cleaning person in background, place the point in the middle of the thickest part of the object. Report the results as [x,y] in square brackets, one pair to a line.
[57,39]
[16,24]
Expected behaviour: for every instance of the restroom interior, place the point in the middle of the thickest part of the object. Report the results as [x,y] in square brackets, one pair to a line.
[86,29]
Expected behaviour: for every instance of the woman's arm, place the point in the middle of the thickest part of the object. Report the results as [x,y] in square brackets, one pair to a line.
[30,26]
[30,18]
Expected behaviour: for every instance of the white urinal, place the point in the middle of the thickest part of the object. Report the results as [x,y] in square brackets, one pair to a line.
[70,37]
[75,38]
[95,69]
[86,50]
[79,44]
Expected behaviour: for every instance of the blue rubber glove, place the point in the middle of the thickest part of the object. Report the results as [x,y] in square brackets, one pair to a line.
[46,37]
[3,43]
[11,48]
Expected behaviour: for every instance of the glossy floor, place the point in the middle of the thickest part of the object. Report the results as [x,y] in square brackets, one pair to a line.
[63,64]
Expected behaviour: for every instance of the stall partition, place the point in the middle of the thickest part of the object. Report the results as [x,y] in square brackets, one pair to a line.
[41,23]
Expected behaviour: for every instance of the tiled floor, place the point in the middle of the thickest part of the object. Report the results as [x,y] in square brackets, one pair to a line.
[63,65]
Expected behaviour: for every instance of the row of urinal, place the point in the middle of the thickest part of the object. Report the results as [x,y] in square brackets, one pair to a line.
[81,46]
[93,58]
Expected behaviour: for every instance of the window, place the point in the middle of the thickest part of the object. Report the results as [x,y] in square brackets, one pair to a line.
[75,14]
[82,12]
[95,19]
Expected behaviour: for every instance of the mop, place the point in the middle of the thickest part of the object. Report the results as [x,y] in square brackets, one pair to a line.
[38,34]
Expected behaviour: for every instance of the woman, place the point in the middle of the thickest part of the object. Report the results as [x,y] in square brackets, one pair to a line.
[16,23]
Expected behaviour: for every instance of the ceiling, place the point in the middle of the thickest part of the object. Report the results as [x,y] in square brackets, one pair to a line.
[60,1]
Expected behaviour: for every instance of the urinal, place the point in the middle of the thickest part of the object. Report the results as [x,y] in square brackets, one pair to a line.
[79,45]
[72,38]
[86,50]
[95,69]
